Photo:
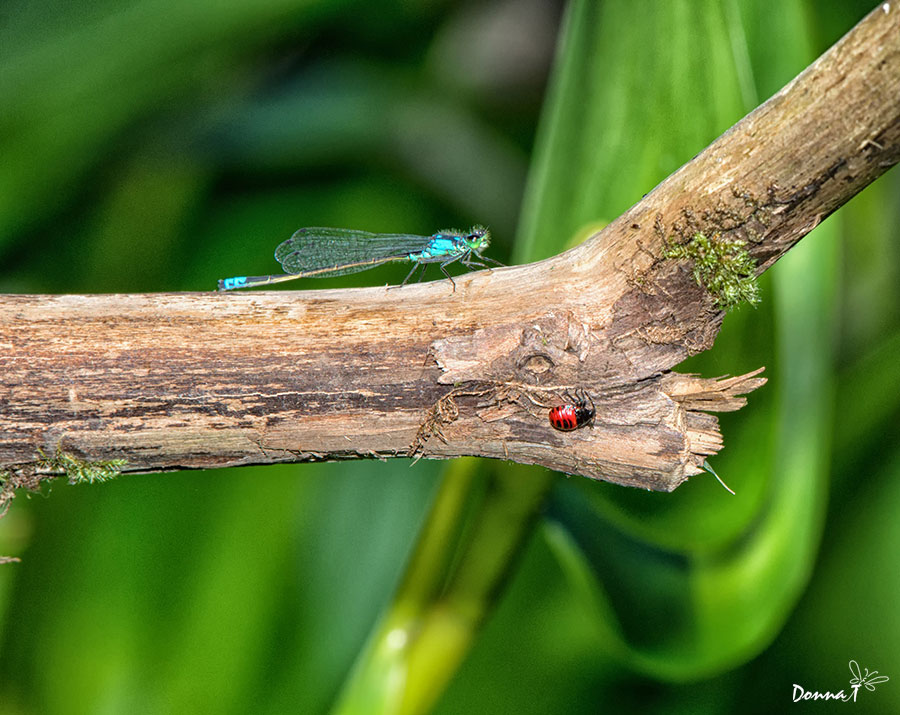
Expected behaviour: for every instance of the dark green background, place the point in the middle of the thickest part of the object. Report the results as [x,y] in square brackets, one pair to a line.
[149,145]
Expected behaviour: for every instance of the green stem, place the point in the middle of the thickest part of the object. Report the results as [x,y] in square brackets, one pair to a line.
[461,560]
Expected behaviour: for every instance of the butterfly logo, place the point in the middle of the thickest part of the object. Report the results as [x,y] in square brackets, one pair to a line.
[869,680]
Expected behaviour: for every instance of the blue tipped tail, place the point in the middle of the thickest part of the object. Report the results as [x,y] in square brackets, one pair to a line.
[232,283]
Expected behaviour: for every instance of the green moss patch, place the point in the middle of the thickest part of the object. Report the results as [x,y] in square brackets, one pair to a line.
[720,265]
[79,471]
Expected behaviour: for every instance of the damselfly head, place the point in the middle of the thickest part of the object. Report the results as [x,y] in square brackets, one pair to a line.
[479,238]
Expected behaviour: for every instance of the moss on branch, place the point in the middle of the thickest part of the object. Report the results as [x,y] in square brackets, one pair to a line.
[722,266]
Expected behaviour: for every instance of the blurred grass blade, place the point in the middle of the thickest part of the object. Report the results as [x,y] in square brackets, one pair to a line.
[467,547]
[640,88]
[699,583]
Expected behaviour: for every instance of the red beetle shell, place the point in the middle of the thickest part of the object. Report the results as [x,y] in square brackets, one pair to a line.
[572,416]
[564,417]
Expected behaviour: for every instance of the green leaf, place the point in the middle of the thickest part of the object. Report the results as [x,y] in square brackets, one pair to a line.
[700,581]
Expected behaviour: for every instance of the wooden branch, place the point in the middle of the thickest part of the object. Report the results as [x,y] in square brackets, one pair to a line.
[169,381]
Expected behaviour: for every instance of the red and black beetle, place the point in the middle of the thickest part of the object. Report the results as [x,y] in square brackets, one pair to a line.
[578,412]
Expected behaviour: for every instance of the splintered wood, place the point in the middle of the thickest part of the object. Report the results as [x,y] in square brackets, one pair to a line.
[200,380]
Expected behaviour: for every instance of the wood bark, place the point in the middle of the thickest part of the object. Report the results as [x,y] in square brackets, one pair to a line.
[197,380]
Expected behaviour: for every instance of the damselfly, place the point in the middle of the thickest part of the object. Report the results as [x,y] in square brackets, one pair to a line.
[322,252]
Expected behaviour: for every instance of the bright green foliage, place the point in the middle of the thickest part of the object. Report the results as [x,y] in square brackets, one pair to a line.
[152,146]
[722,266]
[79,471]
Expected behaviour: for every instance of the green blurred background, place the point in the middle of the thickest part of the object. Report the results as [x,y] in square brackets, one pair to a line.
[149,145]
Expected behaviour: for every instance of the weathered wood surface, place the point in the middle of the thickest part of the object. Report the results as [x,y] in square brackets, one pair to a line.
[189,380]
